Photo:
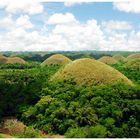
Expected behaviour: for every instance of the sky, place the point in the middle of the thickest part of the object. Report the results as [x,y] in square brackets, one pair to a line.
[69,26]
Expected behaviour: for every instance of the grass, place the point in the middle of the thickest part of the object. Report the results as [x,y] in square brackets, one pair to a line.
[15,60]
[134,56]
[5,136]
[56,59]
[108,60]
[12,128]
[119,58]
[89,72]
[133,64]
[3,59]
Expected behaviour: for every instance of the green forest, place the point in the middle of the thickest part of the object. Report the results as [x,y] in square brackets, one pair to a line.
[85,94]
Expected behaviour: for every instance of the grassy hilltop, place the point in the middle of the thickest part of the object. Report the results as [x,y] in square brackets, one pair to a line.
[90,72]
[56,59]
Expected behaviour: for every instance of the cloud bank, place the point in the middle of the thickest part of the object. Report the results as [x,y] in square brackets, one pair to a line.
[63,31]
[129,7]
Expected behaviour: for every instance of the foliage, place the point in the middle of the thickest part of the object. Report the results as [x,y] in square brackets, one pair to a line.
[24,85]
[97,131]
[130,69]
[13,127]
[20,66]
[30,132]
[69,109]
[66,108]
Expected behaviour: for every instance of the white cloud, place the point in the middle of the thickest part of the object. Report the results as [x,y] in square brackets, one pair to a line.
[69,4]
[133,6]
[68,36]
[59,18]
[62,37]
[25,6]
[9,23]
[72,3]
[117,25]
[24,22]
[80,36]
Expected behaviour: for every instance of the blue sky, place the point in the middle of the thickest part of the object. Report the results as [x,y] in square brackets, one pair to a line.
[42,26]
[99,10]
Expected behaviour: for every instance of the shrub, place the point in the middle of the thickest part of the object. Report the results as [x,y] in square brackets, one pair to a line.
[98,131]
[76,133]
[30,132]
[14,127]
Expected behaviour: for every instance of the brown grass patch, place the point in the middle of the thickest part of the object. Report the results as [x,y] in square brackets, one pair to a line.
[108,60]
[134,56]
[13,127]
[119,58]
[56,59]
[90,72]
[3,59]
[133,64]
[15,60]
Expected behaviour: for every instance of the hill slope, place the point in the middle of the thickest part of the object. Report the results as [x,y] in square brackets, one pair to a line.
[134,56]
[56,59]
[15,60]
[119,57]
[108,60]
[90,72]
[3,59]
[133,64]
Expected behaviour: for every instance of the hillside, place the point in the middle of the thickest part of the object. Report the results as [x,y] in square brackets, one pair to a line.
[134,56]
[3,59]
[56,59]
[108,60]
[91,72]
[119,58]
[15,60]
[133,64]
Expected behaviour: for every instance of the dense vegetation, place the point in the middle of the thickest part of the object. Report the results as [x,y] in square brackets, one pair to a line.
[66,108]
[131,69]
[21,87]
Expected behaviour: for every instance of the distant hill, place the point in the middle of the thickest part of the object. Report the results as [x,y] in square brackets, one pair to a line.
[108,60]
[119,58]
[57,59]
[133,64]
[133,56]
[3,59]
[15,60]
